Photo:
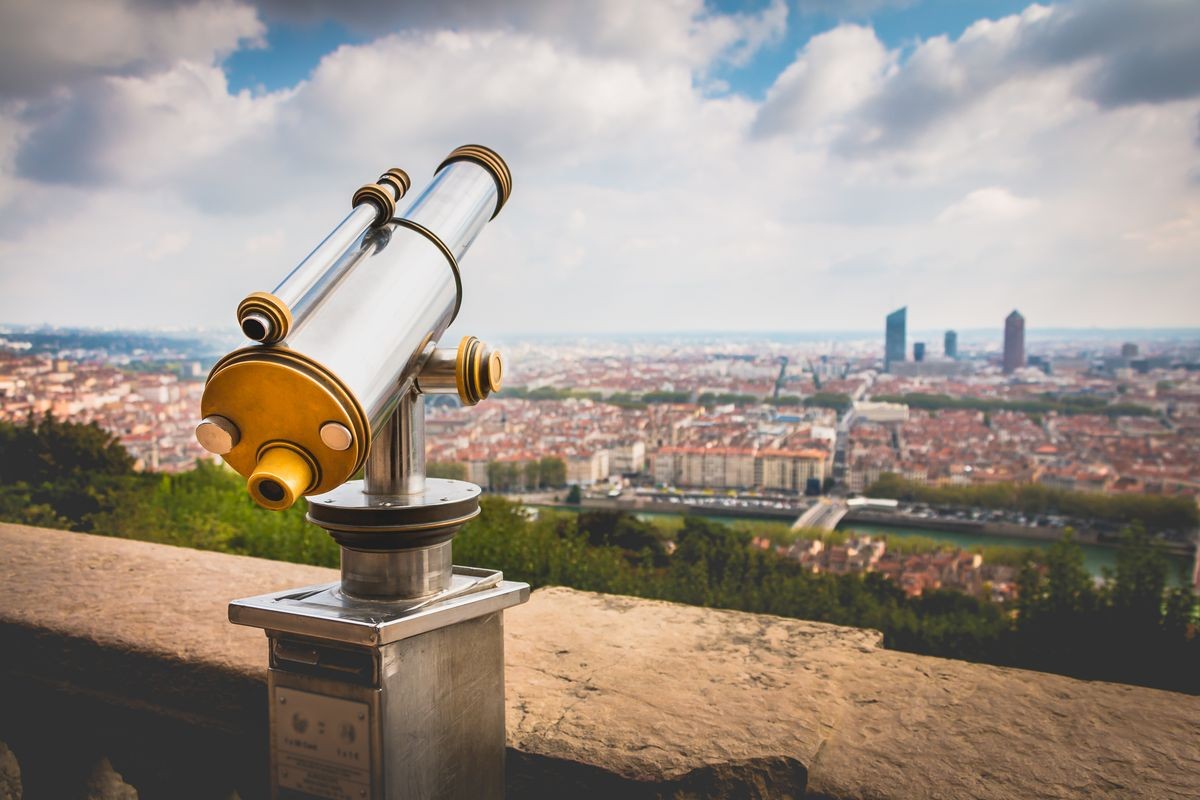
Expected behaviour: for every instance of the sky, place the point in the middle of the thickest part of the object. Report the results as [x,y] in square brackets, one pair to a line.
[775,165]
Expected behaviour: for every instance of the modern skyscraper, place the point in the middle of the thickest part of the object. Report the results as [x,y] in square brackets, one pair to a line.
[918,351]
[950,346]
[895,341]
[1014,342]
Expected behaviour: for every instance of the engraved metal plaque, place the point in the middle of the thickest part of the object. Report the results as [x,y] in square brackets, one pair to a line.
[322,745]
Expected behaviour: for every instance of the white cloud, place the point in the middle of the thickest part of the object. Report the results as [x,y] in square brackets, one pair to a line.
[835,73]
[992,204]
[47,45]
[866,179]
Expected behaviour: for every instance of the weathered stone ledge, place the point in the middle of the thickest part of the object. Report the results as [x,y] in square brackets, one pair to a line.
[120,650]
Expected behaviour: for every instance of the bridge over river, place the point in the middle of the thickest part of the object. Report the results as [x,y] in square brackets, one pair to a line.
[827,512]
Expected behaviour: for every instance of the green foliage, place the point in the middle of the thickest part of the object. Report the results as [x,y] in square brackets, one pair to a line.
[551,472]
[624,400]
[834,400]
[446,469]
[209,508]
[638,539]
[46,449]
[550,551]
[574,495]
[1127,630]
[546,393]
[667,397]
[726,398]
[504,476]
[1153,511]
[509,476]
[1048,403]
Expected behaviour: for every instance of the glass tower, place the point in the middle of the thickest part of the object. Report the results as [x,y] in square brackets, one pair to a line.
[895,340]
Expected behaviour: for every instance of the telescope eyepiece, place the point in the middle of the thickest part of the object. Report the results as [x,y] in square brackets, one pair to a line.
[271,490]
[256,326]
[282,476]
[263,317]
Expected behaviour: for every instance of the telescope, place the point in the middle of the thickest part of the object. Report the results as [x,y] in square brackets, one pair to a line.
[390,682]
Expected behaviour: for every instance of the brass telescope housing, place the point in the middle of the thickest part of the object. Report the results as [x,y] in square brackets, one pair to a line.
[352,331]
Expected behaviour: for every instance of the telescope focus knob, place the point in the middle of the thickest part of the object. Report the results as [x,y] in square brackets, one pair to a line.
[478,370]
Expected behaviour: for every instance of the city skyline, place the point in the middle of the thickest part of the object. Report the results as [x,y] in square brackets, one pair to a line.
[753,167]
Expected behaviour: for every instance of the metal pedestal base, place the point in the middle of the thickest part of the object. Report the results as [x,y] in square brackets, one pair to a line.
[373,700]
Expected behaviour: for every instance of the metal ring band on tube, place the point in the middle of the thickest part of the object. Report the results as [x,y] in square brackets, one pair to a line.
[271,307]
[382,198]
[491,161]
[433,237]
[398,179]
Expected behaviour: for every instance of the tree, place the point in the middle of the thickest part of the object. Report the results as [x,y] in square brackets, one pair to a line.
[446,469]
[605,528]
[532,475]
[1140,580]
[574,496]
[47,450]
[552,471]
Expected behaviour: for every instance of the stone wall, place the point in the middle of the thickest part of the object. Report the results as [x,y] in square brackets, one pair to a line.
[122,678]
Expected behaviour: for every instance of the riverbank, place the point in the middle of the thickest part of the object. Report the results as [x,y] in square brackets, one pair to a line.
[967,535]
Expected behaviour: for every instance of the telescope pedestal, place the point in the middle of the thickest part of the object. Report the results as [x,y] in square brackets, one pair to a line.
[383,700]
[390,683]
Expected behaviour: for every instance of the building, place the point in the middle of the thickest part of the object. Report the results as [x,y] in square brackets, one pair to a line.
[895,339]
[587,468]
[740,468]
[1129,350]
[789,470]
[627,458]
[875,411]
[918,351]
[1014,342]
[950,344]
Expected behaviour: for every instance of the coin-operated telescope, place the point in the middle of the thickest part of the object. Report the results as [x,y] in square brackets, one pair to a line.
[389,683]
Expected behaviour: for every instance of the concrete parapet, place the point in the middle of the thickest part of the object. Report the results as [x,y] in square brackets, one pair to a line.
[118,657]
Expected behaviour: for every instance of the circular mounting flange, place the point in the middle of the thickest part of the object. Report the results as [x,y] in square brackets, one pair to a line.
[363,521]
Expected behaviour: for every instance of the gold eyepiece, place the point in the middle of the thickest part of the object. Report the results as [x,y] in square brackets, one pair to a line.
[265,318]
[282,477]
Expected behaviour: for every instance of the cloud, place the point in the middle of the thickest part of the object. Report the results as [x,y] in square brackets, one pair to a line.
[683,31]
[1143,52]
[1112,53]
[867,178]
[991,204]
[835,73]
[137,130]
[47,46]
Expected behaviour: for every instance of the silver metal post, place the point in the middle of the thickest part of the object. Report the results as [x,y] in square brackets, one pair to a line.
[396,463]
[396,469]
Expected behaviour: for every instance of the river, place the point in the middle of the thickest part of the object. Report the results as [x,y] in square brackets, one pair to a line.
[1095,557]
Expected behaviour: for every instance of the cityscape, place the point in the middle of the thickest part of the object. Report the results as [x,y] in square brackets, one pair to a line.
[608,399]
[752,427]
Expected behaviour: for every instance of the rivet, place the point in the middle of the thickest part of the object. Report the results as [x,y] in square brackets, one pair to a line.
[336,436]
[217,434]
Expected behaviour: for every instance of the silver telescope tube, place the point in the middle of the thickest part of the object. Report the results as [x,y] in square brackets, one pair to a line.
[403,291]
[269,316]
[298,417]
